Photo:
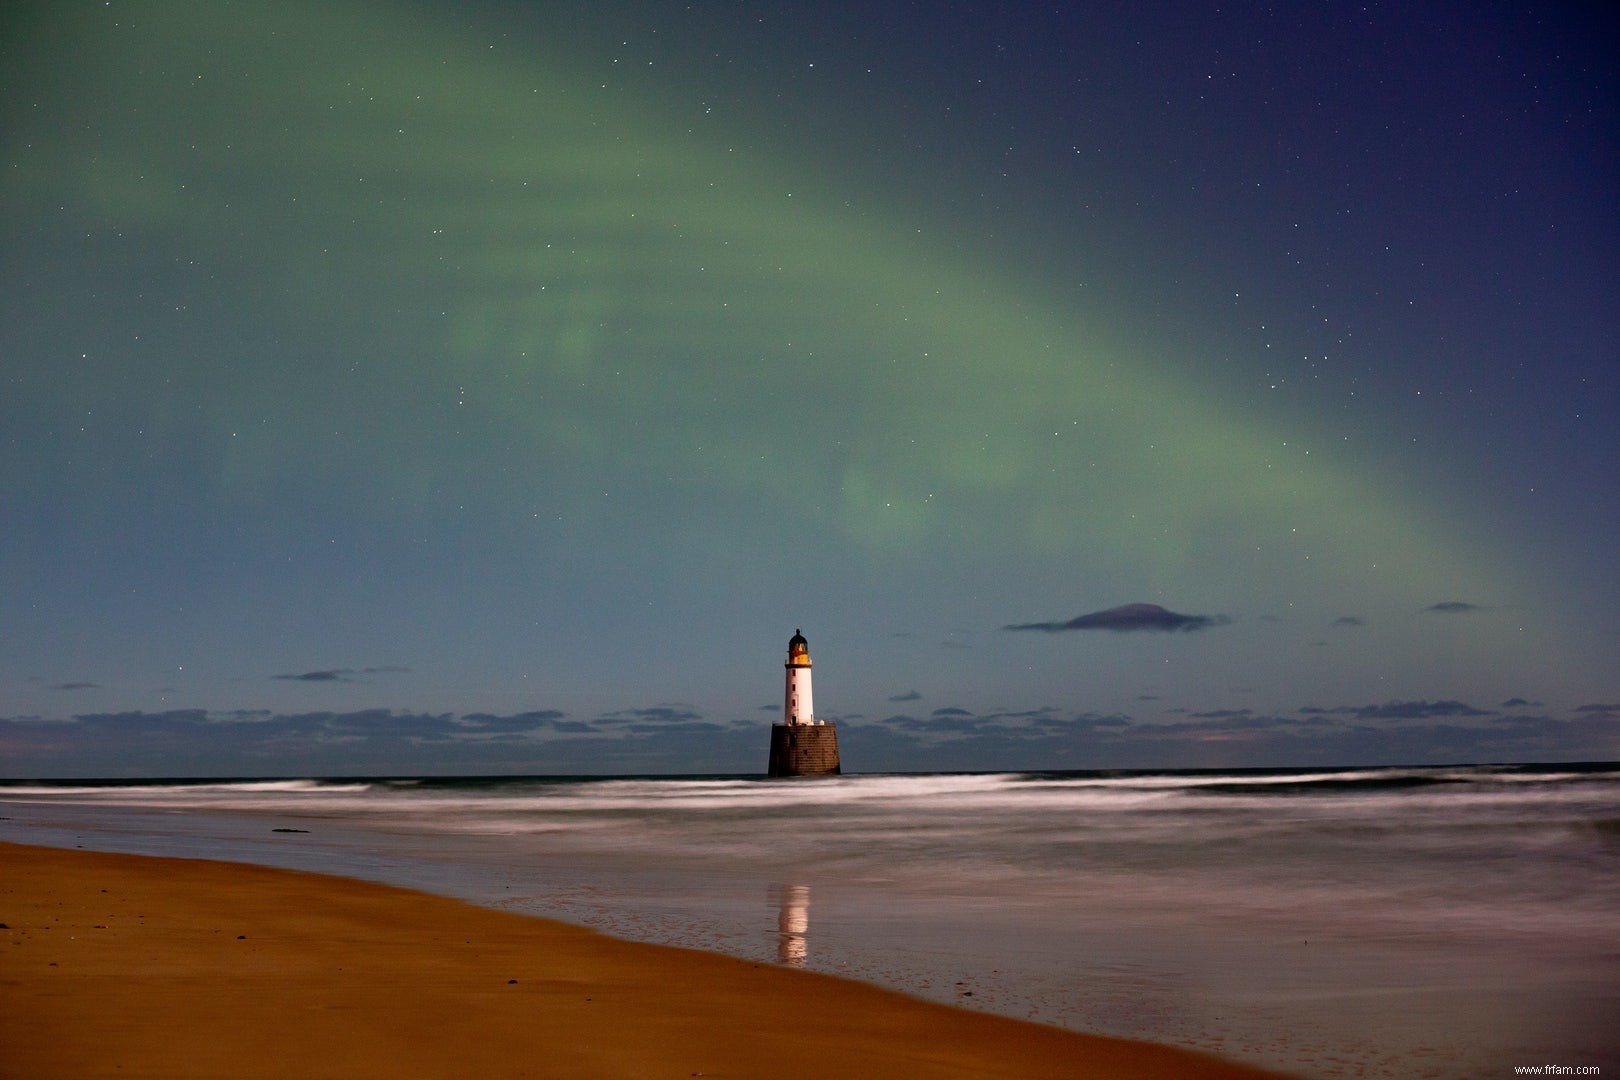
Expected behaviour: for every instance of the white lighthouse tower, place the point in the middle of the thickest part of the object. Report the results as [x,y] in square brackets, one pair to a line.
[798,704]
[801,745]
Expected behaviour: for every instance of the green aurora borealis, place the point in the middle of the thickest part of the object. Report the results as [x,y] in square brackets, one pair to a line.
[536,371]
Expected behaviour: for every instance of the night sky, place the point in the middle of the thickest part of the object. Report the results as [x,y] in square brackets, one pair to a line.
[431,387]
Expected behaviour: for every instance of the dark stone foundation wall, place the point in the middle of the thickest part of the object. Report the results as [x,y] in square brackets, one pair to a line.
[804,750]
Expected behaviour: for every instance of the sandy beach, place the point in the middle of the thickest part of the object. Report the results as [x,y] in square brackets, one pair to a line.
[139,966]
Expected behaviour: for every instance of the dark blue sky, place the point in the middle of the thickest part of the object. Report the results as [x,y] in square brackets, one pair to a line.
[405,387]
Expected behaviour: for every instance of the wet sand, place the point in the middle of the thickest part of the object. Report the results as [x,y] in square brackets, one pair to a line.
[138,966]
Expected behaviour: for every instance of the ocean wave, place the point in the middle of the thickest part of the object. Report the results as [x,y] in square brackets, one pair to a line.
[965,801]
[135,791]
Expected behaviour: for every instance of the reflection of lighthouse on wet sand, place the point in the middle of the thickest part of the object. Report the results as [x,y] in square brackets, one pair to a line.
[801,745]
[793,925]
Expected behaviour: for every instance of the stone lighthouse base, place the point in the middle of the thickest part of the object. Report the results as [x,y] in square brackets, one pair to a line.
[804,750]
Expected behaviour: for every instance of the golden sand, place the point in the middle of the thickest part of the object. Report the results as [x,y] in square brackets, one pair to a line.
[116,965]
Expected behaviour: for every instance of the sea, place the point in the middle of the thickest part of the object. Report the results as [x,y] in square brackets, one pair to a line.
[1368,922]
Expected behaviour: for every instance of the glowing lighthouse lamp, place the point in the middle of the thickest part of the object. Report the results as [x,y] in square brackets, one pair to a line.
[801,745]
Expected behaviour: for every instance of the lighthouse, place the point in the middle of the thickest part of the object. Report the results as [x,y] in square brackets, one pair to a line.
[801,745]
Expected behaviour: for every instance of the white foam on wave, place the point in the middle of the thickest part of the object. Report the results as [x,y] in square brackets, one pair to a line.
[175,790]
